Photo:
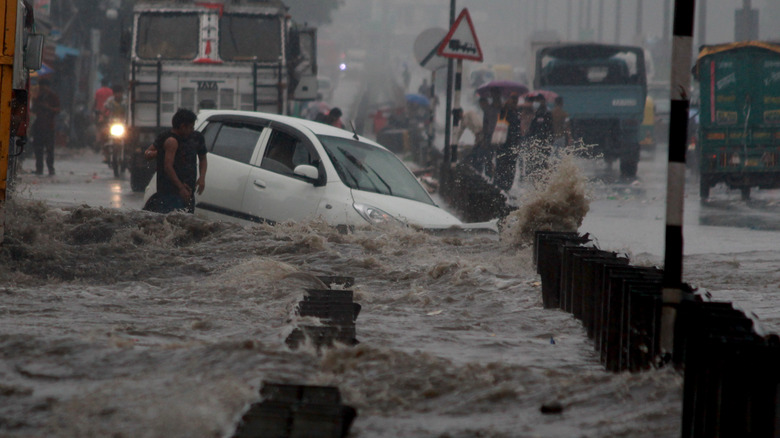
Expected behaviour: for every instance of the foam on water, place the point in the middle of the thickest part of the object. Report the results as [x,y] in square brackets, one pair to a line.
[128,323]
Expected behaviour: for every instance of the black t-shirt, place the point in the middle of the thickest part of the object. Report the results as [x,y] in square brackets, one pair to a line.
[185,164]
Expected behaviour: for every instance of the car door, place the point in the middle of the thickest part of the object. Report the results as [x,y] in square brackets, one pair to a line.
[273,193]
[232,146]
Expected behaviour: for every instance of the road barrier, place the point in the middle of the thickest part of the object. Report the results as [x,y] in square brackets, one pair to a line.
[731,378]
[335,309]
[293,411]
[288,411]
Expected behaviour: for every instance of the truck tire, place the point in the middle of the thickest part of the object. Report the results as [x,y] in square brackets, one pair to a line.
[629,160]
[704,188]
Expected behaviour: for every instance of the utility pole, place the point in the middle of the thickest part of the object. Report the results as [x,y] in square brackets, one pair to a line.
[672,293]
[448,117]
[600,33]
[638,25]
[702,22]
[617,22]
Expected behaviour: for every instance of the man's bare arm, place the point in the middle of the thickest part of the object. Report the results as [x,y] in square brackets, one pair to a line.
[202,166]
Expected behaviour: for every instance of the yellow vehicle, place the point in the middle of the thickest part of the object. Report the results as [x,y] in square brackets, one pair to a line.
[647,128]
[20,52]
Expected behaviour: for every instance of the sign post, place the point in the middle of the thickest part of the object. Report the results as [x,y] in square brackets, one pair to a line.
[460,43]
[425,47]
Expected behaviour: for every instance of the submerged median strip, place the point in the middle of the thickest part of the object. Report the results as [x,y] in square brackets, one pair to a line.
[291,410]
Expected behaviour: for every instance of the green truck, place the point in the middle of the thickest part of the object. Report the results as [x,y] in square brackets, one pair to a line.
[738,137]
[604,88]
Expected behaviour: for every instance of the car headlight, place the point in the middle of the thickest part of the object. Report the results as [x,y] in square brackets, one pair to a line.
[117,130]
[375,216]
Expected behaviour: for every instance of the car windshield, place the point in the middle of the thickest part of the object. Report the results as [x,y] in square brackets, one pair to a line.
[248,37]
[365,167]
[169,35]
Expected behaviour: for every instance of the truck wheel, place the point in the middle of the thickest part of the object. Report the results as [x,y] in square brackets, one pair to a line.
[629,160]
[704,188]
[745,192]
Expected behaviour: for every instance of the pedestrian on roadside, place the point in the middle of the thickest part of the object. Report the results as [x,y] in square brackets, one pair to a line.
[333,118]
[181,165]
[507,153]
[46,106]
[541,128]
[101,95]
[561,133]
[490,120]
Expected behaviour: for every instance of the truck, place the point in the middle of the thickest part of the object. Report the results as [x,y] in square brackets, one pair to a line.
[604,88]
[738,136]
[22,52]
[223,54]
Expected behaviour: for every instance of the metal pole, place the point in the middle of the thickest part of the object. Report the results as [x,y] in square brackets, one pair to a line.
[617,22]
[675,185]
[702,34]
[667,13]
[535,9]
[589,7]
[448,109]
[600,36]
[639,22]
[457,112]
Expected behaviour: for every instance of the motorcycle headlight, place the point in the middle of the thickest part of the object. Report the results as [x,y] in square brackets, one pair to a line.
[375,216]
[117,130]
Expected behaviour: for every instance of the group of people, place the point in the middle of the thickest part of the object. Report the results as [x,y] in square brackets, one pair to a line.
[509,128]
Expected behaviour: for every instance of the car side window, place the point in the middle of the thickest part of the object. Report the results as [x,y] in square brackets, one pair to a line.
[236,141]
[210,133]
[285,151]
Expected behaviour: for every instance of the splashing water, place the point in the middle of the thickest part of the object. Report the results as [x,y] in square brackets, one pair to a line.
[557,200]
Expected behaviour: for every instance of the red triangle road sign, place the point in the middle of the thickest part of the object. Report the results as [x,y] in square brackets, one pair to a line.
[461,42]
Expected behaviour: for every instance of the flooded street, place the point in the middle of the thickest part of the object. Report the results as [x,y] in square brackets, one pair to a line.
[118,322]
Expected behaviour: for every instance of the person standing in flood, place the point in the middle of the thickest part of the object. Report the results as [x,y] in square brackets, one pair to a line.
[46,106]
[181,165]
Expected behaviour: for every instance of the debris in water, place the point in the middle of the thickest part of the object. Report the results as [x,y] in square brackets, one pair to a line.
[552,408]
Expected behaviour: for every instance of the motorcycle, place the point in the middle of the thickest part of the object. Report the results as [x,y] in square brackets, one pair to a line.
[117,159]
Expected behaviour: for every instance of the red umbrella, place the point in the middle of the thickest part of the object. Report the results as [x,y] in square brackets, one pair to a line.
[549,96]
[506,87]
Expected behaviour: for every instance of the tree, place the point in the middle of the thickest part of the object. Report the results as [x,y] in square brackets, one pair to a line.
[313,12]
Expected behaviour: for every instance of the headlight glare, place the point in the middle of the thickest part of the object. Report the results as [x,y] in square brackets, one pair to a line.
[117,130]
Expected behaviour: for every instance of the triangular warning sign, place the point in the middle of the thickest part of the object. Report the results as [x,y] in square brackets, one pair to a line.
[461,42]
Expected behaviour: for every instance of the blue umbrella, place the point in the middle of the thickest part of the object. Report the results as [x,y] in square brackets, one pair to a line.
[419,99]
[43,71]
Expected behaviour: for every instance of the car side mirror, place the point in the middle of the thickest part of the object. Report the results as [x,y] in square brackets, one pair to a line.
[33,52]
[308,172]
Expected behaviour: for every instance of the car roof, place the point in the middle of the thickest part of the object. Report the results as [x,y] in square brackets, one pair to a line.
[315,128]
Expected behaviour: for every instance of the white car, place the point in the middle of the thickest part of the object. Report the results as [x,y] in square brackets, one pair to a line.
[271,168]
